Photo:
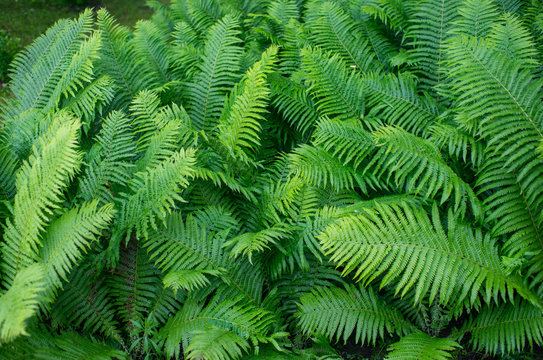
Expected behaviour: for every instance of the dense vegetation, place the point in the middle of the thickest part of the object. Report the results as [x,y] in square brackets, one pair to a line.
[280,179]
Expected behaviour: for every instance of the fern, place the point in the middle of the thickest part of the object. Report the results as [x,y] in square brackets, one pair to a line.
[421,346]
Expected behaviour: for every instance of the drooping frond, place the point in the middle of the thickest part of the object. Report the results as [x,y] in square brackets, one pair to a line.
[249,322]
[186,244]
[339,314]
[505,328]
[336,32]
[154,192]
[395,100]
[457,143]
[67,238]
[394,13]
[72,346]
[85,302]
[417,166]
[216,343]
[37,74]
[338,93]
[218,71]
[40,183]
[402,245]
[20,302]
[421,346]
[118,60]
[240,124]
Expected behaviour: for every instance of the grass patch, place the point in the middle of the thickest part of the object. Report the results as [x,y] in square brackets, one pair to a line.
[28,19]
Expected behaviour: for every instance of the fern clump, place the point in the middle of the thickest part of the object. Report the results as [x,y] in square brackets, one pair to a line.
[283,179]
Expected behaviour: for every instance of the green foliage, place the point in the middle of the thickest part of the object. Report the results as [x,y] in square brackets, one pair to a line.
[9,46]
[282,179]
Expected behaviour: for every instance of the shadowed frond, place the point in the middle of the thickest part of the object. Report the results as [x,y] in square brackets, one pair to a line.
[421,346]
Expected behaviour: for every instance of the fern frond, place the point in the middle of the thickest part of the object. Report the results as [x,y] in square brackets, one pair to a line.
[458,143]
[338,93]
[248,243]
[218,72]
[216,343]
[335,32]
[514,41]
[72,346]
[476,18]
[421,346]
[416,164]
[188,279]
[395,100]
[429,31]
[67,238]
[151,47]
[154,192]
[110,161]
[406,247]
[40,183]
[339,314]
[239,125]
[20,302]
[505,328]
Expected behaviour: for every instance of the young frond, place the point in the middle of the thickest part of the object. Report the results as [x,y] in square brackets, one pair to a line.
[248,243]
[20,302]
[354,311]
[240,124]
[402,245]
[338,92]
[505,328]
[417,165]
[40,184]
[513,40]
[421,346]
[476,18]
[218,72]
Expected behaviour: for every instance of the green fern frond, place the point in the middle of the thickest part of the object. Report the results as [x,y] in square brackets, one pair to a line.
[85,302]
[20,302]
[188,279]
[476,18]
[151,47]
[218,72]
[154,192]
[339,314]
[400,244]
[514,41]
[395,100]
[429,31]
[40,183]
[249,243]
[335,32]
[416,164]
[505,328]
[67,238]
[457,143]
[216,343]
[249,322]
[338,93]
[239,125]
[394,13]
[421,346]
[72,346]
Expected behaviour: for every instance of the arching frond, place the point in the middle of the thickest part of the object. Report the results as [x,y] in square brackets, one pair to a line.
[188,279]
[404,246]
[505,328]
[20,302]
[420,346]
[216,343]
[338,93]
[151,47]
[340,314]
[40,183]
